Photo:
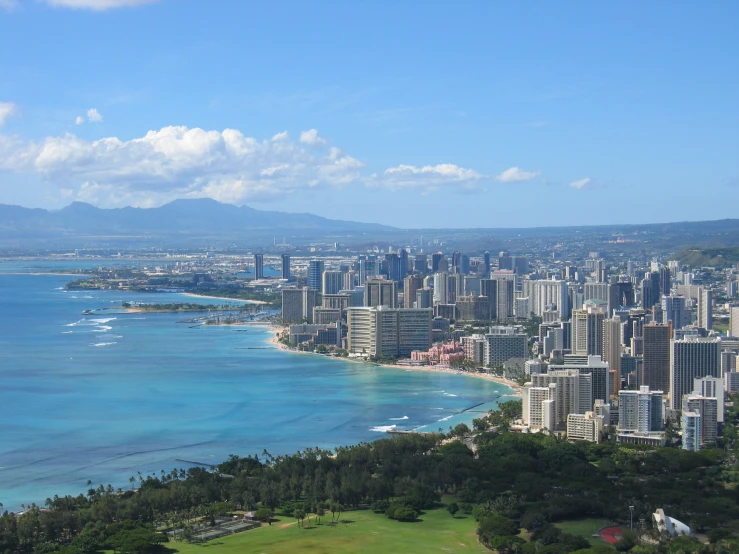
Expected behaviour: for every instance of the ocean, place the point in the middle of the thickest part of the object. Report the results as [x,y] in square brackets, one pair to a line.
[101,398]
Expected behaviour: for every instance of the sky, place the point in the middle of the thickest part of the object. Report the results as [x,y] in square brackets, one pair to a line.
[412,114]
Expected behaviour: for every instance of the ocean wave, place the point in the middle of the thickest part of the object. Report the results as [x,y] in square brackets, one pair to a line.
[87,297]
[98,344]
[449,394]
[445,418]
[399,418]
[66,332]
[71,324]
[102,320]
[102,328]
[383,428]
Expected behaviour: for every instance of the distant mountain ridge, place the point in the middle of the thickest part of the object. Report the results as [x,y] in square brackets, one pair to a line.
[178,219]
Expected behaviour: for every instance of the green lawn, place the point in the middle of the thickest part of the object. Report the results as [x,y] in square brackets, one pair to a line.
[360,531]
[584,528]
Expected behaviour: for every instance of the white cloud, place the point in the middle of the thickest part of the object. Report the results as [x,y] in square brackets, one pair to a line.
[311,138]
[94,116]
[79,120]
[7,109]
[96,5]
[581,183]
[9,5]
[428,178]
[180,162]
[516,175]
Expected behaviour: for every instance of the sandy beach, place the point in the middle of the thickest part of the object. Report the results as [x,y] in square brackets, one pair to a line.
[276,329]
[222,298]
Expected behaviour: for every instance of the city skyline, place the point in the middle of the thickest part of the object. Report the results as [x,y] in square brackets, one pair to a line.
[567,108]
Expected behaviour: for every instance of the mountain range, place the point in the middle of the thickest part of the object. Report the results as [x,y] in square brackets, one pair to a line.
[201,219]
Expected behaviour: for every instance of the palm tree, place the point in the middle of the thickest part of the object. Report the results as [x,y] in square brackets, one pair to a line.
[132,480]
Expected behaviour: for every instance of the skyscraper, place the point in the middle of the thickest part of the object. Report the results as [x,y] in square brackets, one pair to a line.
[705,309]
[486,263]
[381,292]
[656,347]
[394,270]
[258,266]
[673,310]
[665,281]
[435,260]
[285,267]
[640,411]
[441,288]
[387,332]
[573,393]
[411,284]
[689,359]
[420,264]
[332,282]
[612,350]
[505,292]
[315,272]
[587,328]
[298,304]
[425,298]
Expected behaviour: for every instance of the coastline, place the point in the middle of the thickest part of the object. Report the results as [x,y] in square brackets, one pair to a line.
[515,387]
[195,295]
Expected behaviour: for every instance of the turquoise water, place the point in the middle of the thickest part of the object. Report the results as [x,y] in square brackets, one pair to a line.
[103,397]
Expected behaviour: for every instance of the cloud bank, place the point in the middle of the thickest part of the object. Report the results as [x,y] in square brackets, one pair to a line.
[97,5]
[7,109]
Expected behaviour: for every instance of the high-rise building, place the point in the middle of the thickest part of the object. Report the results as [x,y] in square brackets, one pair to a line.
[640,411]
[656,351]
[457,262]
[332,282]
[425,298]
[315,271]
[587,328]
[435,261]
[504,343]
[388,332]
[734,321]
[705,309]
[612,350]
[403,255]
[350,280]
[600,376]
[411,285]
[711,387]
[539,410]
[258,266]
[298,304]
[547,295]
[674,310]
[505,262]
[421,264]
[691,427]
[473,308]
[394,268]
[381,292]
[691,358]
[708,410]
[441,288]
[285,273]
[573,392]
[486,264]
[505,290]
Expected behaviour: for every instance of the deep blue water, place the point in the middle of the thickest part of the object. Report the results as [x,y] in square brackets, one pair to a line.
[103,397]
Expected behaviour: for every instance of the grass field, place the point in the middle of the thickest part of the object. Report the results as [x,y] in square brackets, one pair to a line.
[359,531]
[584,528]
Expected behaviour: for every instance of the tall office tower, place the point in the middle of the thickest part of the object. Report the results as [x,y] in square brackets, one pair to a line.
[599,372]
[425,298]
[421,264]
[403,255]
[332,282]
[471,285]
[656,351]
[411,284]
[503,343]
[597,291]
[486,264]
[573,392]
[435,261]
[464,264]
[455,287]
[612,350]
[707,408]
[665,281]
[547,295]
[649,296]
[315,271]
[640,411]
[443,265]
[505,290]
[456,262]
[504,261]
[381,292]
[734,321]
[441,288]
[350,280]
[690,423]
[691,358]
[705,309]
[298,304]
[388,332]
[394,270]
[472,308]
[711,387]
[625,294]
[599,266]
[587,328]
[285,267]
[674,310]
[258,266]
[570,271]
[489,289]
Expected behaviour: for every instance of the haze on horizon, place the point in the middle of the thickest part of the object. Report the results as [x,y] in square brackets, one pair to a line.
[481,115]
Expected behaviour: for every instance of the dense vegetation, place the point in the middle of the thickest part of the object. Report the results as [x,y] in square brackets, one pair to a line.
[512,481]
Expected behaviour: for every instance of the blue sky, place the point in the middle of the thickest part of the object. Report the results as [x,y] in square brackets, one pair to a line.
[415,114]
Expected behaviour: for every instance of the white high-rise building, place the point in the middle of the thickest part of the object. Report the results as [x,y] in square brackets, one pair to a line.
[711,387]
[332,282]
[600,376]
[388,332]
[734,321]
[585,427]
[691,358]
[691,426]
[539,406]
[504,343]
[587,328]
[574,392]
[441,288]
[705,309]
[707,408]
[674,310]
[545,295]
[640,411]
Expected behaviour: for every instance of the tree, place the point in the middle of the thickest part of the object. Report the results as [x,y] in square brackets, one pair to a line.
[264,515]
[453,508]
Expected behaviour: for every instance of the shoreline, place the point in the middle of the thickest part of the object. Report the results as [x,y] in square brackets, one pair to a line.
[194,295]
[516,389]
